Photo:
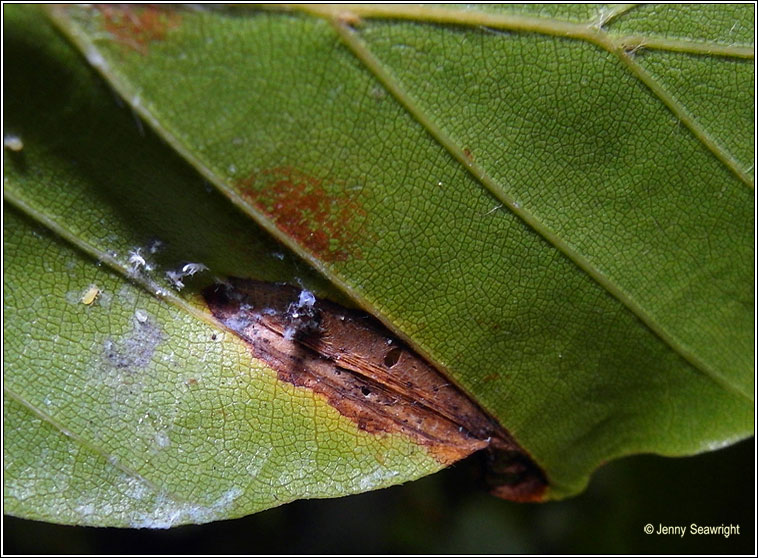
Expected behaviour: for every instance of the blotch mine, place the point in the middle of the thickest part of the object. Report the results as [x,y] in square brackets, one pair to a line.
[322,219]
[136,27]
[370,377]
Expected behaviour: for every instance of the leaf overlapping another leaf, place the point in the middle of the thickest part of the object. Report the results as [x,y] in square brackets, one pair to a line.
[548,212]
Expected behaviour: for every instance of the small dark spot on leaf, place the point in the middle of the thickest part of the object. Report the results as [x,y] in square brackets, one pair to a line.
[392,356]
[213,337]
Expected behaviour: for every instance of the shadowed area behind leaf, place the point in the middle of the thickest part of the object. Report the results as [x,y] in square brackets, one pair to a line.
[145,192]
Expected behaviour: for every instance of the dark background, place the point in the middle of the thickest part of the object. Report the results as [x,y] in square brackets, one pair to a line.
[447,513]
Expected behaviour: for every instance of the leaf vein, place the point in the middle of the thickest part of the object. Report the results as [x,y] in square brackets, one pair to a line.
[592,32]
[361,51]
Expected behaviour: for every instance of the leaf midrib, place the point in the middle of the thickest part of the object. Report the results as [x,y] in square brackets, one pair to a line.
[622,46]
[591,31]
[148,285]
[351,39]
[339,17]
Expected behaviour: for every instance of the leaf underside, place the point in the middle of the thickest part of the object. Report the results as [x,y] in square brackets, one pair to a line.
[554,208]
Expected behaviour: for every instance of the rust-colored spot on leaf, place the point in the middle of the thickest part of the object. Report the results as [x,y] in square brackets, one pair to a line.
[137,26]
[370,377]
[325,223]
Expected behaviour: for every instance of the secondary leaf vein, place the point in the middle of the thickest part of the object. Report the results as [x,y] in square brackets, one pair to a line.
[351,39]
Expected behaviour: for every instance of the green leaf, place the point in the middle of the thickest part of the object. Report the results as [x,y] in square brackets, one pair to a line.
[548,202]
[133,408]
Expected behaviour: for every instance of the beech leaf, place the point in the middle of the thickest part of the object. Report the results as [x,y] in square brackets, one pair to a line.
[551,207]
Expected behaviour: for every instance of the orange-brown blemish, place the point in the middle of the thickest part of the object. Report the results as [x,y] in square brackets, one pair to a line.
[137,26]
[342,356]
[325,223]
[349,18]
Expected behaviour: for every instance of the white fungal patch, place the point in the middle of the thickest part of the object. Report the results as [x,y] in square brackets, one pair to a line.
[104,299]
[307,299]
[85,510]
[136,261]
[134,351]
[155,246]
[379,478]
[187,270]
[301,316]
[256,462]
[241,321]
[192,268]
[168,512]
[13,142]
[127,295]
[140,315]
[175,277]
[162,440]
[136,488]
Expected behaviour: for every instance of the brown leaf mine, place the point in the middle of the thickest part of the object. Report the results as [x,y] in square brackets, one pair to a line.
[370,377]
[137,27]
[321,217]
